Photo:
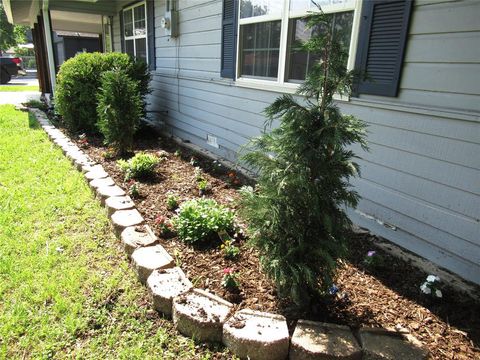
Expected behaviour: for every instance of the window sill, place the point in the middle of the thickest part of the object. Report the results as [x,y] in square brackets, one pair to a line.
[285,88]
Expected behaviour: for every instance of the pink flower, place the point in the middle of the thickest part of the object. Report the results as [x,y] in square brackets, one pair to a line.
[160,219]
[371,253]
[228,271]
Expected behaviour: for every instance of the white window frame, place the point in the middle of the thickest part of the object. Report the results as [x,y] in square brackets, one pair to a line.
[135,37]
[280,84]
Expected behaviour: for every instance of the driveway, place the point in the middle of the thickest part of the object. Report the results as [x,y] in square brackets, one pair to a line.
[16,96]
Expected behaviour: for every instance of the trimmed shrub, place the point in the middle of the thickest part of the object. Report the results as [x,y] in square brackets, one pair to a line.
[119,109]
[202,220]
[141,166]
[78,82]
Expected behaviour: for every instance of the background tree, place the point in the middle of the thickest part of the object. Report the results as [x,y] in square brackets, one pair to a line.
[296,214]
[10,35]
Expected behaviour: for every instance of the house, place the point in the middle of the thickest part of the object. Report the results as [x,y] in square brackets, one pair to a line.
[217,64]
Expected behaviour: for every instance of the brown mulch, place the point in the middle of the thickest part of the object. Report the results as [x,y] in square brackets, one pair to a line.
[387,297]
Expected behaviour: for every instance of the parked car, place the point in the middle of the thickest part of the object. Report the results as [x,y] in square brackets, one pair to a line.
[10,66]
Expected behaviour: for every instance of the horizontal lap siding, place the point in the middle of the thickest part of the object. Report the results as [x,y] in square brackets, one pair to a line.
[187,83]
[421,177]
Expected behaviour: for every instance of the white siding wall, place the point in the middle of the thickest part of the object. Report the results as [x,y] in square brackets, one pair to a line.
[421,178]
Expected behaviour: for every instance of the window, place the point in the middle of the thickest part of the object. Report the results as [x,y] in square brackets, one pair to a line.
[270,33]
[135,31]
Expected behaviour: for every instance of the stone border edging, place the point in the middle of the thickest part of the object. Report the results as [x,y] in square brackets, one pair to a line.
[207,317]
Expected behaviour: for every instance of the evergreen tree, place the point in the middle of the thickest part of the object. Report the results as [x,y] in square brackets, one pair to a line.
[296,214]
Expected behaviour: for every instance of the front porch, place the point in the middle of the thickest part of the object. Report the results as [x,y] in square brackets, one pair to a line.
[47,17]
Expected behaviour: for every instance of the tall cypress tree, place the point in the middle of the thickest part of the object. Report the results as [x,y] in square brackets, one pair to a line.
[296,214]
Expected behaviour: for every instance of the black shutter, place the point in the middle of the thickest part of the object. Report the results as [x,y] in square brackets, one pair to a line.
[229,38]
[122,32]
[151,34]
[381,47]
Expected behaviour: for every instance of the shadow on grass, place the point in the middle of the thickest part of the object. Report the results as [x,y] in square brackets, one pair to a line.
[32,122]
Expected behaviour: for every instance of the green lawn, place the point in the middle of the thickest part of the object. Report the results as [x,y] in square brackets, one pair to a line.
[10,88]
[66,289]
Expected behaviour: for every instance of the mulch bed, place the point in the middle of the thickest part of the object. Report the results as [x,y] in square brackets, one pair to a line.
[387,297]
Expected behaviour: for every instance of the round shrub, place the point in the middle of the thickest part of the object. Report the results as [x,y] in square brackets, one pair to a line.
[119,109]
[141,166]
[79,79]
[201,220]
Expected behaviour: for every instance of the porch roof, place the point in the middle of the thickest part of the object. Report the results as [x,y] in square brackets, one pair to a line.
[66,15]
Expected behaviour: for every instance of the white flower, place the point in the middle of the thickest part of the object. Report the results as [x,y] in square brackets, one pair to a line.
[438,293]
[433,278]
[425,289]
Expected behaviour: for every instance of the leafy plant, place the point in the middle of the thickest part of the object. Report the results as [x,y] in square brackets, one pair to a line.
[172,201]
[141,166]
[230,251]
[233,178]
[133,189]
[202,186]
[431,287]
[119,109]
[83,140]
[109,153]
[36,104]
[193,161]
[198,174]
[296,213]
[230,279]
[165,226]
[373,259]
[79,80]
[201,220]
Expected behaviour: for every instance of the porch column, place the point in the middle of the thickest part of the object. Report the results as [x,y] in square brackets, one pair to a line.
[49,42]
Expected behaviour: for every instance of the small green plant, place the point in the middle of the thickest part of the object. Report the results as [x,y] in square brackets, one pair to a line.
[233,178]
[141,166]
[431,287]
[178,260]
[178,153]
[202,186]
[193,161]
[83,141]
[36,104]
[165,226]
[201,220]
[373,260]
[172,201]
[109,154]
[198,174]
[230,279]
[133,189]
[119,110]
[230,251]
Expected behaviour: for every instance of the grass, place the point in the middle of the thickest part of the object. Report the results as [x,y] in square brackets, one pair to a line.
[66,289]
[13,87]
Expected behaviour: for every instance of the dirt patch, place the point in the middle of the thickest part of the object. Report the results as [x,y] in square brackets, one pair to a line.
[387,297]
